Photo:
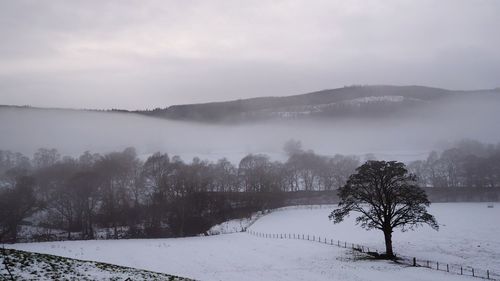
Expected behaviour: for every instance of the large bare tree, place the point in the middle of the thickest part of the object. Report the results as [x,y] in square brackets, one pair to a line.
[386,196]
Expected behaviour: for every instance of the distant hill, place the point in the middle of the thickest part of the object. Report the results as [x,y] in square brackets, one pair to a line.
[346,102]
[359,101]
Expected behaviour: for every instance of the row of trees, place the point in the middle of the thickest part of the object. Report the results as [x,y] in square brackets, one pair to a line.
[165,196]
[161,196]
[469,163]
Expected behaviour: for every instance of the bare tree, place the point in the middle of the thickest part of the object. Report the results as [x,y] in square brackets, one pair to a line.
[44,157]
[225,176]
[253,172]
[83,194]
[385,195]
[117,174]
[16,204]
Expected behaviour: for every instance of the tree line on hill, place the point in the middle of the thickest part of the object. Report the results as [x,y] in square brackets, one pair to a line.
[164,196]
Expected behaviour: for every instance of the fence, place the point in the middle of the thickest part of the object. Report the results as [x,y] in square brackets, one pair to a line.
[451,268]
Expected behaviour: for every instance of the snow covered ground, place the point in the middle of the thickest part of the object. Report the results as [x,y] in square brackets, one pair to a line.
[469,233]
[241,256]
[32,266]
[238,256]
[235,225]
[231,226]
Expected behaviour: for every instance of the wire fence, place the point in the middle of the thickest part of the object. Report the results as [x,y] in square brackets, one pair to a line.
[411,261]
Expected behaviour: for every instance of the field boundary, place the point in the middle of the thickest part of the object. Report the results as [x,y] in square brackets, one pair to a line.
[411,261]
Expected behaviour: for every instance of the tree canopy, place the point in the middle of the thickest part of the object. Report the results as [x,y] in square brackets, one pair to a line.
[387,197]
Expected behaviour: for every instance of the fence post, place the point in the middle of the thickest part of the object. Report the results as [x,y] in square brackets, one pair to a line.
[414,261]
[345,244]
[473,271]
[428,264]
[447,268]
[437,265]
[488,274]
[338,243]
[461,271]
[307,237]
[331,241]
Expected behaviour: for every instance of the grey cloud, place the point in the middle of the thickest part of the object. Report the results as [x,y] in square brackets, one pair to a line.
[144,54]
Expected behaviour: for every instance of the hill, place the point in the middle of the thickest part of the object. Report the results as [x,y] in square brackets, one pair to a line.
[21,265]
[353,101]
[347,102]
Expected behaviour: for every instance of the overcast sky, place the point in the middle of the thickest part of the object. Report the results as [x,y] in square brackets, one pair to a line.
[147,54]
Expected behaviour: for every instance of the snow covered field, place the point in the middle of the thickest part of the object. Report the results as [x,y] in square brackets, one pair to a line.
[241,256]
[469,233]
[237,256]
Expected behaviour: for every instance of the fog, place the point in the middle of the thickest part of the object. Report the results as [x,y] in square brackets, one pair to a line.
[403,138]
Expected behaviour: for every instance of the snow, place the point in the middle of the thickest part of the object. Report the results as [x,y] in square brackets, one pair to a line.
[235,225]
[376,99]
[468,233]
[241,256]
[232,226]
[238,256]
[32,266]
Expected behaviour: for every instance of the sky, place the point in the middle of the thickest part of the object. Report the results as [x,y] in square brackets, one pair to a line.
[147,54]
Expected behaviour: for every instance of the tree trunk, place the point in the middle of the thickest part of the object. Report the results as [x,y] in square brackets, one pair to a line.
[388,243]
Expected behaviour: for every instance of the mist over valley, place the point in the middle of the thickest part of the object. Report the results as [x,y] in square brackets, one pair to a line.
[367,124]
